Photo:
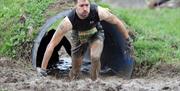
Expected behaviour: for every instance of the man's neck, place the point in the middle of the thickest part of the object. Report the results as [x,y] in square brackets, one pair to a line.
[79,15]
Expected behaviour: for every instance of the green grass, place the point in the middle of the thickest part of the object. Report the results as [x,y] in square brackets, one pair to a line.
[3,89]
[157,33]
[12,33]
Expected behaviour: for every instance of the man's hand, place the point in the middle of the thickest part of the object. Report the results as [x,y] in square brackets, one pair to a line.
[42,72]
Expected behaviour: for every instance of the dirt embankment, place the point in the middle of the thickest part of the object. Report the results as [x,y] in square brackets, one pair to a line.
[144,3]
[127,3]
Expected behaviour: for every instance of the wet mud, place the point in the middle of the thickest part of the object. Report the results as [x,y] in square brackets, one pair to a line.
[20,76]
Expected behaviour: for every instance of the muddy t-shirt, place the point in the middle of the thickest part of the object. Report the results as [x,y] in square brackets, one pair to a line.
[84,28]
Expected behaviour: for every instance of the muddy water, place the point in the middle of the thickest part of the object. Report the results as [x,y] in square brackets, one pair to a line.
[127,3]
[19,76]
[105,84]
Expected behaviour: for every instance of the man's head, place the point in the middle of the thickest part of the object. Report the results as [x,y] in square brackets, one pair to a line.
[82,8]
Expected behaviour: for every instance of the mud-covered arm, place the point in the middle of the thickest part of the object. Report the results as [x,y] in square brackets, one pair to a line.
[105,15]
[63,27]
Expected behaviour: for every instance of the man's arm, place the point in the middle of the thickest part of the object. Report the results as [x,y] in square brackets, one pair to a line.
[104,14]
[63,27]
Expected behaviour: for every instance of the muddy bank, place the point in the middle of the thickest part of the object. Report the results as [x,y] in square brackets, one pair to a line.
[108,84]
[127,3]
[19,76]
[144,3]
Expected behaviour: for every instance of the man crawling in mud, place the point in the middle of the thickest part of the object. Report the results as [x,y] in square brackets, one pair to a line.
[86,32]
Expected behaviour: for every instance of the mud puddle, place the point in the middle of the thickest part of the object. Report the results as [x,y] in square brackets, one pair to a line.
[19,76]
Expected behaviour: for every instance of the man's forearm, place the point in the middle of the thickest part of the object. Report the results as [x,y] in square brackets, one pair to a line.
[46,57]
[63,27]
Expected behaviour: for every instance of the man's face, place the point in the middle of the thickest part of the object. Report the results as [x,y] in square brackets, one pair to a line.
[83,8]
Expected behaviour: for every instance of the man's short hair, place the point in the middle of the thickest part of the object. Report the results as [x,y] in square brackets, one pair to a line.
[75,1]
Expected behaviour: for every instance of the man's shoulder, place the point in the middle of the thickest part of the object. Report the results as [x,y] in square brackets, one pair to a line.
[66,22]
[103,8]
[104,13]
